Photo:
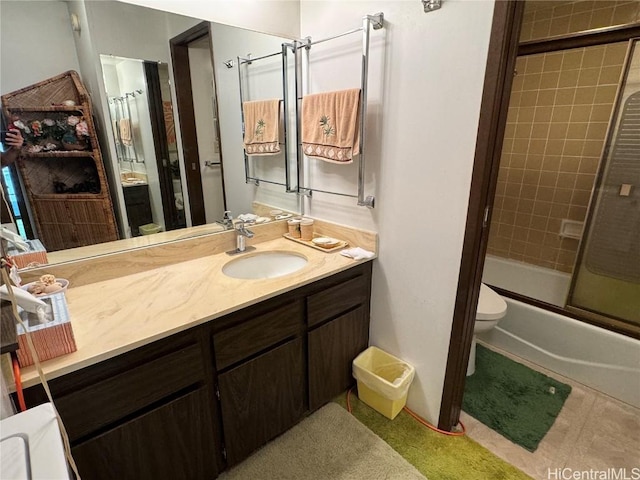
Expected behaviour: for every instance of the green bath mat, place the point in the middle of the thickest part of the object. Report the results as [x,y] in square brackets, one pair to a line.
[515,401]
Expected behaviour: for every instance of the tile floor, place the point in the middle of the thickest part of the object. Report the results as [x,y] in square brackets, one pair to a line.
[592,432]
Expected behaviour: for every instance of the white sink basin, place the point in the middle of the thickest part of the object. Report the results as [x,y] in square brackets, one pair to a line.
[264,265]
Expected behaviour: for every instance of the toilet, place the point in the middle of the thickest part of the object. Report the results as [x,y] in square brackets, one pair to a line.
[491,308]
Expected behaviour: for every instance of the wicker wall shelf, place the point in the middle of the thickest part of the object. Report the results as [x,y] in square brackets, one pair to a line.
[57,108]
[61,154]
[63,220]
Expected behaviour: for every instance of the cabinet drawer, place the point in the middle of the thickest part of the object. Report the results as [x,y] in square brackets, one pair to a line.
[262,398]
[336,300]
[172,441]
[261,332]
[110,400]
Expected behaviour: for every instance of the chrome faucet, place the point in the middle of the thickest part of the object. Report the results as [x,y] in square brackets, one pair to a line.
[241,233]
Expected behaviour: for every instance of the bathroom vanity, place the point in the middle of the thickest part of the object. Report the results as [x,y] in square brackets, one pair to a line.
[196,402]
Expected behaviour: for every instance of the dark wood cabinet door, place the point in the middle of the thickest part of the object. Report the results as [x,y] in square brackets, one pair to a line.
[261,399]
[332,348]
[173,441]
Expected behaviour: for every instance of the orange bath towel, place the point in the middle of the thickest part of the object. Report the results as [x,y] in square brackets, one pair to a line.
[330,125]
[262,127]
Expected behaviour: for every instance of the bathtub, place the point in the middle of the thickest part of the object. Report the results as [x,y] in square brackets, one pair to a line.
[606,361]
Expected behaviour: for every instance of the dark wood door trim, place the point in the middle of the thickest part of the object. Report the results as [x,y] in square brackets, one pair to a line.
[184,101]
[503,48]
[159,130]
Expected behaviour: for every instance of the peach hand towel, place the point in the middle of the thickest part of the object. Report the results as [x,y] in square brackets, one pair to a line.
[262,127]
[330,125]
[125,132]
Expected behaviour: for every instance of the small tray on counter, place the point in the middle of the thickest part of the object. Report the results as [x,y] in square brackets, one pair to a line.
[310,243]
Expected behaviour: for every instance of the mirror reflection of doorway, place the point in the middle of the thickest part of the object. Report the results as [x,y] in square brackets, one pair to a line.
[145,145]
[197,107]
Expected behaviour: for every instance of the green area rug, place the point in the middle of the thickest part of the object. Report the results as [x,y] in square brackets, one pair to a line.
[436,456]
[510,398]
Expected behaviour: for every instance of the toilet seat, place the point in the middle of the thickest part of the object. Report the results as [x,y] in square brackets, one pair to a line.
[491,306]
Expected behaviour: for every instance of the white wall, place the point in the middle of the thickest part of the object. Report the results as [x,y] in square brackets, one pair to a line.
[202,88]
[36,42]
[426,85]
[278,17]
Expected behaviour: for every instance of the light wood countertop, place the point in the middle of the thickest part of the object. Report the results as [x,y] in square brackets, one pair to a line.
[116,315]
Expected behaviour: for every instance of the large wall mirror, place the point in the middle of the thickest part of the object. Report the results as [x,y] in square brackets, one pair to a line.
[166,107]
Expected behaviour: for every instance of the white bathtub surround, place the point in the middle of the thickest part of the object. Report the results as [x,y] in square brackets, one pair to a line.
[541,283]
[606,361]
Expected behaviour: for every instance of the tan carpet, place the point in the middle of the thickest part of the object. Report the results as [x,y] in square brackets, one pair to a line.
[329,445]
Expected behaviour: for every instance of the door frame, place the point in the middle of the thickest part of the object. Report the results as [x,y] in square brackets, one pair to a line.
[503,50]
[159,132]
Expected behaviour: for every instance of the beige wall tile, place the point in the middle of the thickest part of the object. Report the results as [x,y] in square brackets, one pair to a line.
[554,147]
[540,130]
[602,17]
[606,94]
[548,179]
[568,78]
[601,113]
[537,146]
[558,211]
[577,212]
[566,180]
[541,210]
[534,162]
[572,59]
[565,96]
[580,198]
[570,164]
[573,147]
[589,164]
[562,196]
[577,131]
[585,95]
[561,113]
[597,131]
[558,130]
[584,181]
[540,28]
[542,114]
[610,75]
[579,22]
[551,163]
[588,77]
[553,62]
[545,194]
[593,57]
[626,13]
[615,53]
[539,222]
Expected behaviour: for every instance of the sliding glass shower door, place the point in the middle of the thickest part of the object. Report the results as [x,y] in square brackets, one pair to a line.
[606,280]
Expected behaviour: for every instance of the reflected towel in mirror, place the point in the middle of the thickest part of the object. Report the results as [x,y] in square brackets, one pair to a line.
[262,127]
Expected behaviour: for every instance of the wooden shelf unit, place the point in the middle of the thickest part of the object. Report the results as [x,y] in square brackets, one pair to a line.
[63,220]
